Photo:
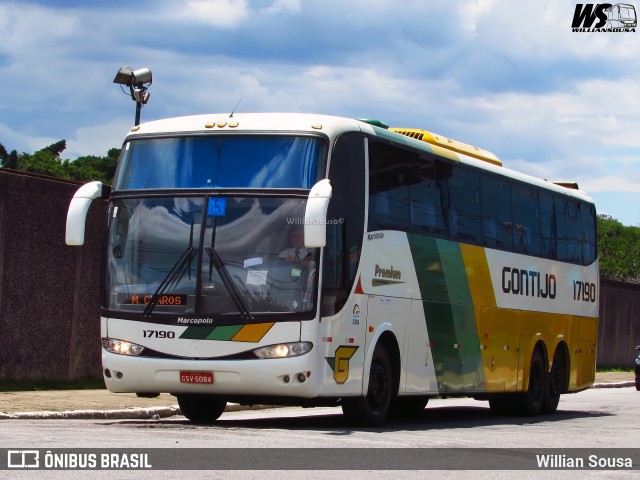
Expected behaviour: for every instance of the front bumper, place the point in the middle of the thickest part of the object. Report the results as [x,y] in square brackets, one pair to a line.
[261,377]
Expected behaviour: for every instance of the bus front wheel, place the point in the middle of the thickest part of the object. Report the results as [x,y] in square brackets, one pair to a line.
[373,409]
[201,408]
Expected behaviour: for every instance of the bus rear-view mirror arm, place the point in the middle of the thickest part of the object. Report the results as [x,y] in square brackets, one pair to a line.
[77,213]
[315,215]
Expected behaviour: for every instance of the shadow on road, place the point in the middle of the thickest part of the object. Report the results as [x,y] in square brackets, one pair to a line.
[432,418]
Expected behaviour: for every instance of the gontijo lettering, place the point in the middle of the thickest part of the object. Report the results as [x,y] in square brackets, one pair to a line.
[528,283]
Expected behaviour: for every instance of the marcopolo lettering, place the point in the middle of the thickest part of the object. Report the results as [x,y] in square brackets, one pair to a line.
[528,283]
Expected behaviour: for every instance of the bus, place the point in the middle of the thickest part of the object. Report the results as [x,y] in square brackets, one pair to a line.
[302,259]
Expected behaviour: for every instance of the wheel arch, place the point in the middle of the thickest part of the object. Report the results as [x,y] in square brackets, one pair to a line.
[387,337]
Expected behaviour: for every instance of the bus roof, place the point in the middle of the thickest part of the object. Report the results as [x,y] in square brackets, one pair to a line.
[253,122]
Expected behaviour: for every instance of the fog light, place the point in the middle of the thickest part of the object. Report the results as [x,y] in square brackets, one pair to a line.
[301,377]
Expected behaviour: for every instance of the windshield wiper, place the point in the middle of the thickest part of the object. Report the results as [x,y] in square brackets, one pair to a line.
[215,260]
[183,259]
[228,282]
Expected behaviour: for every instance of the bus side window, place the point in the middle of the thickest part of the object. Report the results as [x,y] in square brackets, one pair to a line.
[588,234]
[496,212]
[574,232]
[464,205]
[425,195]
[526,219]
[388,187]
[548,225]
[560,213]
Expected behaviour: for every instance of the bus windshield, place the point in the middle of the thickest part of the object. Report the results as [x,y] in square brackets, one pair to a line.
[220,161]
[209,256]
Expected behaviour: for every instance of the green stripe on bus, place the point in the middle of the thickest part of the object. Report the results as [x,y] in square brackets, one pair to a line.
[196,333]
[449,312]
[224,333]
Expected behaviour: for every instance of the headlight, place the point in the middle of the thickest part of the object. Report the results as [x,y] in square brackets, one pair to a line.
[121,347]
[283,350]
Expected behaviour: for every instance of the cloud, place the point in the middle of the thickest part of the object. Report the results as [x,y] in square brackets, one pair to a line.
[513,80]
[217,13]
[22,141]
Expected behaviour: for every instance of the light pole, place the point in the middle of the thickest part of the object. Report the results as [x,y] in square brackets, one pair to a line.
[138,82]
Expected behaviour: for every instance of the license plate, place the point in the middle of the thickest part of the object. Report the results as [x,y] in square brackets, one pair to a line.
[196,377]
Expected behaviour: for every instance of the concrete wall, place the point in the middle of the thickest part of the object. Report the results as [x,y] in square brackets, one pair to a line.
[619,328]
[49,292]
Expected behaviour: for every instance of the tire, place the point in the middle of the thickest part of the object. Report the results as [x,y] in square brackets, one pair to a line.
[372,410]
[530,402]
[407,407]
[554,384]
[201,408]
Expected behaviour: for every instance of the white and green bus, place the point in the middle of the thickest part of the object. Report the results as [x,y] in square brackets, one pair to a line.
[314,260]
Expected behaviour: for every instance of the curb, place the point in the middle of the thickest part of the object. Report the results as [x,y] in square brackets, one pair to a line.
[631,383]
[125,414]
[150,413]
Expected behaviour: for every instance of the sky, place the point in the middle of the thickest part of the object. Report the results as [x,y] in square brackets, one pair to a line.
[510,77]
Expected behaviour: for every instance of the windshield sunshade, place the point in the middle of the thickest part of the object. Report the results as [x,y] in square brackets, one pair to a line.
[234,161]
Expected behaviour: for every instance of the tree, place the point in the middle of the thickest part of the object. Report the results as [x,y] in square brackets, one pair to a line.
[47,161]
[4,156]
[12,161]
[619,250]
[55,148]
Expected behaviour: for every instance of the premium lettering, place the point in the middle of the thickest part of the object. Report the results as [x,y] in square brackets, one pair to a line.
[387,273]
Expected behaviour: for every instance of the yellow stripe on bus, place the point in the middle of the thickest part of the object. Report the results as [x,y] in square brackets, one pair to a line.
[252,333]
[478,275]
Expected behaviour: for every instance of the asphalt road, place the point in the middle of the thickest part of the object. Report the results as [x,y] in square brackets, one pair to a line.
[597,418]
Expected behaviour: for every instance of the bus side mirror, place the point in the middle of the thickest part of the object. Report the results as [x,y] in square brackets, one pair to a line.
[77,213]
[315,215]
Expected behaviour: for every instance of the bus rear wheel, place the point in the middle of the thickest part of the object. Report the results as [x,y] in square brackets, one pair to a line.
[373,409]
[554,384]
[201,408]
[530,402]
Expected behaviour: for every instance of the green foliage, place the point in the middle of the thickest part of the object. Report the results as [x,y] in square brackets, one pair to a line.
[9,160]
[12,162]
[619,251]
[4,155]
[48,162]
[56,148]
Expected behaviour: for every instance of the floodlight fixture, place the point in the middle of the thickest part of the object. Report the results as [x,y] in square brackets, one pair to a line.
[127,76]
[138,82]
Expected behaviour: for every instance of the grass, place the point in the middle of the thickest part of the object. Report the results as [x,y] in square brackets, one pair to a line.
[20,386]
[615,370]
